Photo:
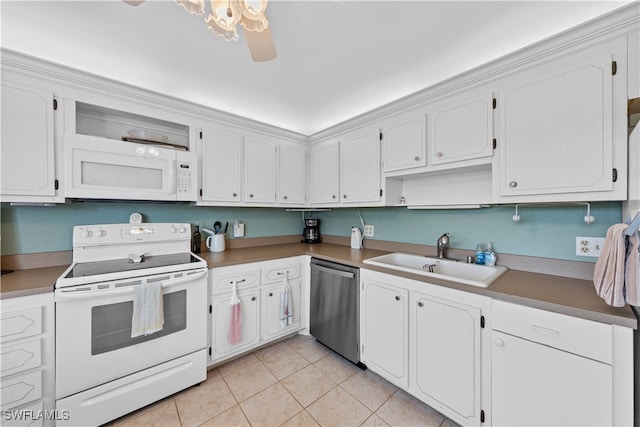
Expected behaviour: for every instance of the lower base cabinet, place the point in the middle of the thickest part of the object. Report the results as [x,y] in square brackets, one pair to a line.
[249,319]
[428,340]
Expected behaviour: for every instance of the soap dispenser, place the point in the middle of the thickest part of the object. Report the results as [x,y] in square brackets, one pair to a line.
[489,255]
[356,238]
[480,254]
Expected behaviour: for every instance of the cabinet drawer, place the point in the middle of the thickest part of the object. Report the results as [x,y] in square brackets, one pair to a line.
[224,283]
[21,323]
[20,357]
[274,274]
[584,337]
[20,390]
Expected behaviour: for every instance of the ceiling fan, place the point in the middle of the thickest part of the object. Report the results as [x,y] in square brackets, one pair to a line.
[224,17]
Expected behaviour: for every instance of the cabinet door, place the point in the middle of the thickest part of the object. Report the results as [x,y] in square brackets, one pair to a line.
[221,321]
[27,142]
[360,167]
[446,356]
[462,128]
[324,173]
[385,330]
[259,170]
[271,310]
[556,131]
[534,384]
[293,186]
[404,143]
[221,165]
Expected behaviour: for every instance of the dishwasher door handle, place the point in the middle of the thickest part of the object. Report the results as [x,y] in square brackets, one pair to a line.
[328,270]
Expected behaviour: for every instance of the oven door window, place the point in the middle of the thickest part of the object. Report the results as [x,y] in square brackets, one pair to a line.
[111,323]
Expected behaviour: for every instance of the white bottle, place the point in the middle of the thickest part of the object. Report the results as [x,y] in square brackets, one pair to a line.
[356,238]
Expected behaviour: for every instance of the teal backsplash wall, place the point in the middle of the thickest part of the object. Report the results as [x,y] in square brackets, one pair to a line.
[545,231]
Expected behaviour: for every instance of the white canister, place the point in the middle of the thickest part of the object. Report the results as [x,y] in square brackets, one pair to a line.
[356,238]
[215,243]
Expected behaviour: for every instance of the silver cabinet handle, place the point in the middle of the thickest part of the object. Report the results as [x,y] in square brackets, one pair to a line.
[420,304]
[344,196]
[253,298]
[543,329]
[499,342]
[270,294]
[251,195]
[416,158]
[439,154]
[328,270]
[333,196]
[397,298]
[235,194]
[513,184]
[285,197]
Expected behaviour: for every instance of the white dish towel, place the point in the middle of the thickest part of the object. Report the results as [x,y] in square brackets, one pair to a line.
[148,309]
[286,313]
[608,276]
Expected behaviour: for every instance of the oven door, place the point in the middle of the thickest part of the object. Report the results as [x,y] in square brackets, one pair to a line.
[93,329]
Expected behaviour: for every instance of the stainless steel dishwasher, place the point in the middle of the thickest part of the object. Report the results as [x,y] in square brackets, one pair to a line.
[335,307]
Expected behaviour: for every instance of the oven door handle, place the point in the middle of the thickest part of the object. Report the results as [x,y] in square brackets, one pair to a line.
[88,293]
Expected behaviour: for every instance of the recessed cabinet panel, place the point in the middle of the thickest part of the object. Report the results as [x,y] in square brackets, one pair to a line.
[260,171]
[20,357]
[556,127]
[292,175]
[27,142]
[324,173]
[221,166]
[447,355]
[273,324]
[20,390]
[21,324]
[404,142]
[360,167]
[462,129]
[221,322]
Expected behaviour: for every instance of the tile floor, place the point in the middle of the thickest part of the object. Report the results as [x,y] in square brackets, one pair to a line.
[295,382]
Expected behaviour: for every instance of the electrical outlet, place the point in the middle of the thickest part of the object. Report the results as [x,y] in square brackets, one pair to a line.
[589,246]
[368,230]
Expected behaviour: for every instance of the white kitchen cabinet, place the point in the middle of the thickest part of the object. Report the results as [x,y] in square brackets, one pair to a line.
[27,357]
[270,321]
[461,127]
[260,170]
[324,173]
[28,158]
[562,129]
[292,188]
[445,354]
[221,348]
[384,329]
[221,152]
[404,141]
[553,369]
[360,167]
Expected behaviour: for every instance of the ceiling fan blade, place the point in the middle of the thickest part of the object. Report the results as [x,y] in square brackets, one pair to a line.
[261,45]
[134,2]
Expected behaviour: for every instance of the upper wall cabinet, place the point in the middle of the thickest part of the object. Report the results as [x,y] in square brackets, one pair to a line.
[28,158]
[292,182]
[260,164]
[461,127]
[324,173]
[404,141]
[562,129]
[221,156]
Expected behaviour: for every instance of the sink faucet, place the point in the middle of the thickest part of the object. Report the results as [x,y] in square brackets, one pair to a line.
[443,243]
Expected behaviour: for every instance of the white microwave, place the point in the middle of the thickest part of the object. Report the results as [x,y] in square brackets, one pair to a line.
[99,168]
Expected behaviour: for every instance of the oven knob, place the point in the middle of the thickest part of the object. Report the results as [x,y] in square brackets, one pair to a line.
[87,233]
[173,229]
[182,230]
[102,233]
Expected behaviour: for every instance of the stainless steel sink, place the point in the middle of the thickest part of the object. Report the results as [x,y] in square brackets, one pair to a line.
[455,271]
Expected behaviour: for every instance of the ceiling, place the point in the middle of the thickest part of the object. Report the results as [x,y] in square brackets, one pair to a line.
[336,59]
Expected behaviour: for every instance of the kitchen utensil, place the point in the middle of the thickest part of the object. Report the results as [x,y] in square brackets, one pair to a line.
[217,226]
[225,227]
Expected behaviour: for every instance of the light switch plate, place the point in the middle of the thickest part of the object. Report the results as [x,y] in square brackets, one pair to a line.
[589,246]
[238,229]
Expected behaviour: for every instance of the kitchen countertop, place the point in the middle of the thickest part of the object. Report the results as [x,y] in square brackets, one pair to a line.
[569,296]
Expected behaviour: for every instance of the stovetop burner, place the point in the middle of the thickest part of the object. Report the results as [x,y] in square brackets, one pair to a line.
[96,268]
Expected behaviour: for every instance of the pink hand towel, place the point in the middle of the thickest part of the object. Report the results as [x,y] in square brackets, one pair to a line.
[608,276]
[235,326]
[632,271]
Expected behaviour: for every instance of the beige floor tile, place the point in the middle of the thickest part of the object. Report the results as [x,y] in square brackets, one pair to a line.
[237,364]
[233,417]
[249,381]
[308,348]
[448,423]
[374,421]
[338,408]
[337,368]
[270,407]
[285,363]
[301,419]
[270,350]
[162,414]
[369,389]
[213,375]
[204,402]
[308,384]
[404,410]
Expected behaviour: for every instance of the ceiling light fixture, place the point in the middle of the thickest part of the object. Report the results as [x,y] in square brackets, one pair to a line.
[225,15]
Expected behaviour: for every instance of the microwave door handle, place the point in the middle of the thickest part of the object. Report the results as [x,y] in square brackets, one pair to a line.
[172,176]
[80,294]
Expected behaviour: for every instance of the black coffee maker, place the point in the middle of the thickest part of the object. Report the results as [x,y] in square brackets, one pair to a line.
[311,233]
